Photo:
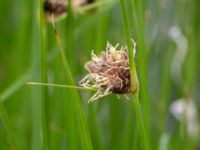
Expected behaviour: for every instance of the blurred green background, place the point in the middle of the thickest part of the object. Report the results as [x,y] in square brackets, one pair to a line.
[167,60]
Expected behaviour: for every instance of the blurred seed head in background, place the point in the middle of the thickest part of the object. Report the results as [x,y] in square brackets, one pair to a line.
[58,8]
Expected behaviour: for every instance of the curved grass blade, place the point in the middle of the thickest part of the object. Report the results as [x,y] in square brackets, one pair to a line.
[76,102]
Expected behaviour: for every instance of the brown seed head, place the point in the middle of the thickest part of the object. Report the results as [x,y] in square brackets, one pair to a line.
[58,8]
[109,73]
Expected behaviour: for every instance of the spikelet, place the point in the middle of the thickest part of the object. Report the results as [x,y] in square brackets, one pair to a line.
[108,73]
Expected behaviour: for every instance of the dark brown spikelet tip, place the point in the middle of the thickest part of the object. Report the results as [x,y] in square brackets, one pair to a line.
[108,73]
[58,8]
[55,8]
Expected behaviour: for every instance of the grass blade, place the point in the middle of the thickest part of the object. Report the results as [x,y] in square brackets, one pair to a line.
[134,82]
[136,104]
[43,76]
[76,102]
[37,131]
[137,16]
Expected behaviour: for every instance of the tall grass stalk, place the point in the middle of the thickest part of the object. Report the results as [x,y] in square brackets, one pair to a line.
[129,129]
[43,76]
[134,81]
[37,132]
[85,137]
[137,15]
[76,102]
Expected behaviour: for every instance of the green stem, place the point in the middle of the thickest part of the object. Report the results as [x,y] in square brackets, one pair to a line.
[7,124]
[60,85]
[87,144]
[134,80]
[136,104]
[76,102]
[43,77]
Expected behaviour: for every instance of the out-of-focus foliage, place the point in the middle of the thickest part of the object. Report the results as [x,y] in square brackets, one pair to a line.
[168,68]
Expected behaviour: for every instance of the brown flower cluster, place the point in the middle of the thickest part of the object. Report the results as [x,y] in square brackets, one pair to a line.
[108,73]
[58,8]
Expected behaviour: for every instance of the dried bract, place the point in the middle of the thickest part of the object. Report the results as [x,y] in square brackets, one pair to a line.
[109,73]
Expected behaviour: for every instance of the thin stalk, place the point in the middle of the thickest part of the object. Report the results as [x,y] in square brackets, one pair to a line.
[43,77]
[138,21]
[60,85]
[87,144]
[134,81]
[129,128]
[36,142]
[137,108]
[70,122]
[76,103]
[7,124]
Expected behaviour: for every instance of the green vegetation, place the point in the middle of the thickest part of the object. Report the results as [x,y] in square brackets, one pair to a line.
[56,114]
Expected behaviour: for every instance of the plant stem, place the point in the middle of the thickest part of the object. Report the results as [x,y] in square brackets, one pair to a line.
[134,80]
[87,144]
[60,85]
[43,77]
[76,102]
[137,108]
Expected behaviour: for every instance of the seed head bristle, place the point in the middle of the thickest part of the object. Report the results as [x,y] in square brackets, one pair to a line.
[109,72]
